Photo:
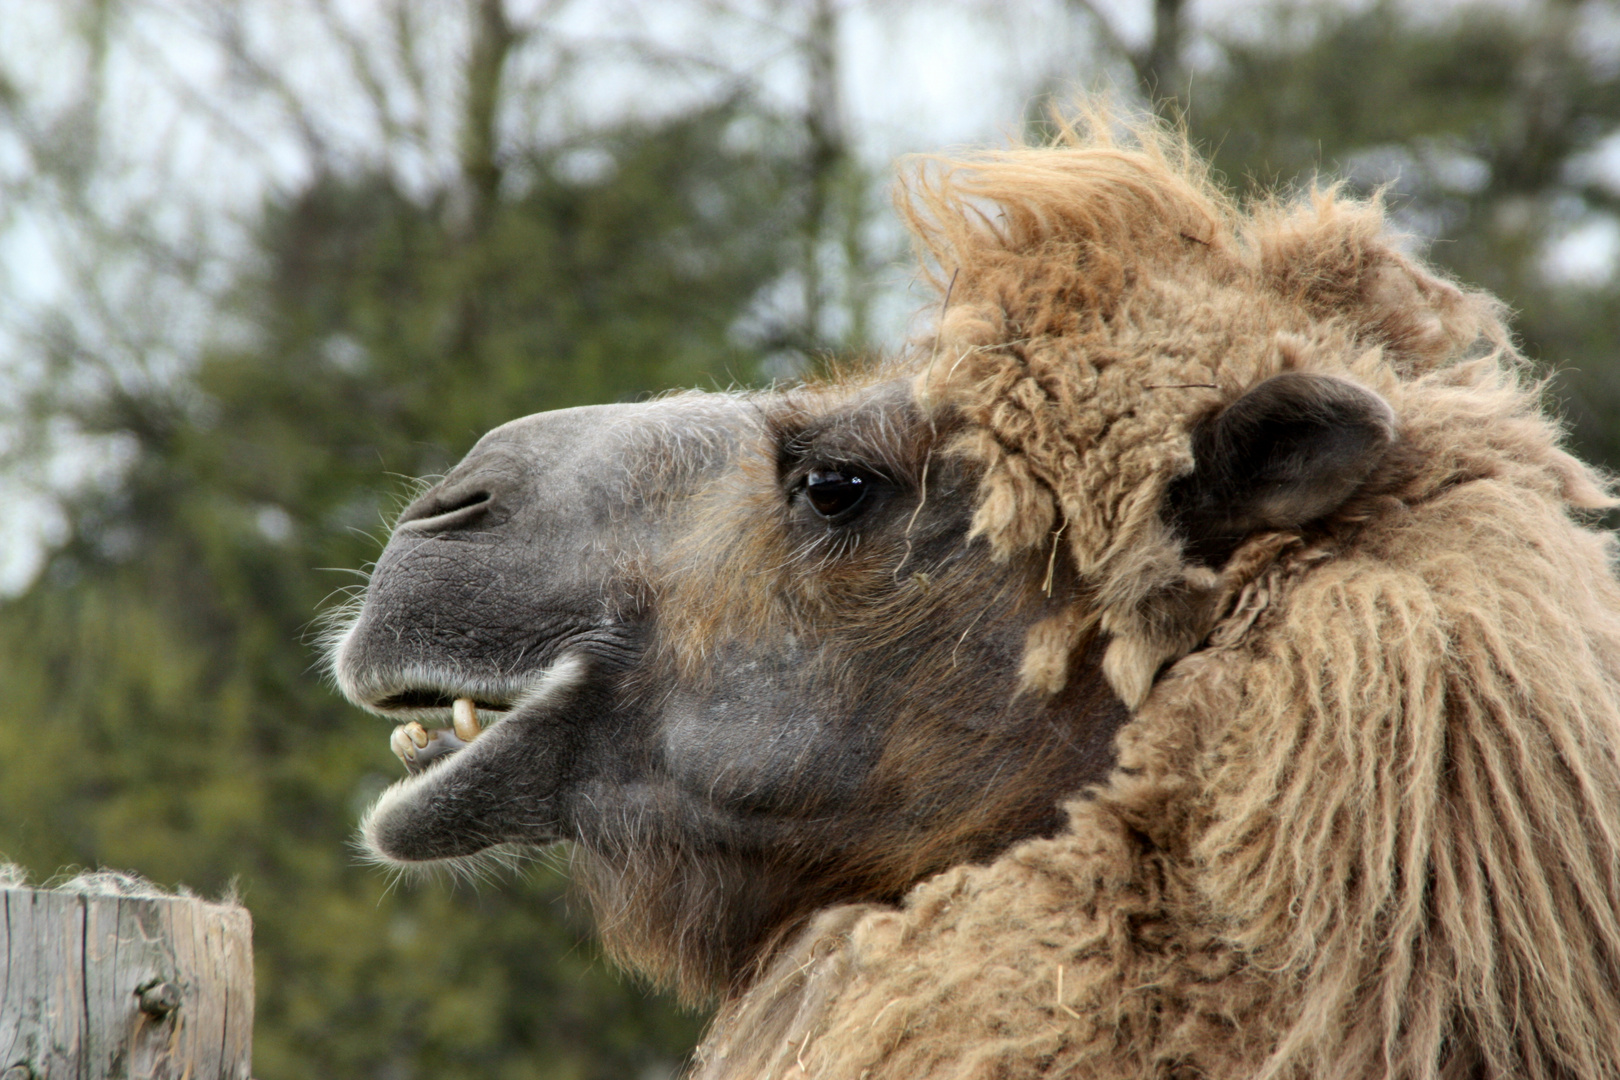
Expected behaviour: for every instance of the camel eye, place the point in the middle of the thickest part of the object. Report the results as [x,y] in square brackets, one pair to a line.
[834,491]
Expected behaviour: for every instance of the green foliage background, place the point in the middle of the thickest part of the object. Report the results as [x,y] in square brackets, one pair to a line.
[166,711]
[1484,129]
[164,674]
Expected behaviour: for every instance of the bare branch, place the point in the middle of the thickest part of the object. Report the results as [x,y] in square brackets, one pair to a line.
[362,62]
[493,38]
[1112,40]
[410,61]
[224,27]
[203,103]
[1157,66]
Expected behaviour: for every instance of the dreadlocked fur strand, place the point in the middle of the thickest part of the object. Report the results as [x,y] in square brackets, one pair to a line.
[1366,819]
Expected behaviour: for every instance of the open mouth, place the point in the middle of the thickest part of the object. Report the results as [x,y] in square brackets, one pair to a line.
[482,751]
[437,717]
[419,699]
[417,745]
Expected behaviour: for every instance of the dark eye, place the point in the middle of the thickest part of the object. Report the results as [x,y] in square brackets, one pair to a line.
[834,491]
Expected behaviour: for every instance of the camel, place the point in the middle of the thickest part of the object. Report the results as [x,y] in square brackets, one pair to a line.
[1195,655]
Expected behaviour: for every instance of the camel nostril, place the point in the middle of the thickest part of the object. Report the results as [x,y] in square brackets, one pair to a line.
[446,509]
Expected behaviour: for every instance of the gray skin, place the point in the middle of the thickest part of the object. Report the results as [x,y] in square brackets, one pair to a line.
[741,708]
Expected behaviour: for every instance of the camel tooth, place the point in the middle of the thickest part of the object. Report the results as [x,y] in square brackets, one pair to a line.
[418,734]
[402,746]
[465,719]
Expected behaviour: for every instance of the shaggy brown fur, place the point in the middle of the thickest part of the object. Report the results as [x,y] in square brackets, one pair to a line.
[694,914]
[1366,819]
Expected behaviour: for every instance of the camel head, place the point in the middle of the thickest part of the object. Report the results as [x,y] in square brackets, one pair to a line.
[1202,604]
[749,655]
[737,648]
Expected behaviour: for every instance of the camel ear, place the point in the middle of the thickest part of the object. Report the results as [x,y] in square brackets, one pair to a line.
[1291,450]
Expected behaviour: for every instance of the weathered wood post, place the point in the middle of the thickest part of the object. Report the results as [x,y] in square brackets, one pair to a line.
[107,978]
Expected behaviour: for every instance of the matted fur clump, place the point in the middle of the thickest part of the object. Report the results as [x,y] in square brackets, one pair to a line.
[1366,815]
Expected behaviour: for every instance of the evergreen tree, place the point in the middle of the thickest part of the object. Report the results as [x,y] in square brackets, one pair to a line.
[1484,128]
[1490,130]
[166,703]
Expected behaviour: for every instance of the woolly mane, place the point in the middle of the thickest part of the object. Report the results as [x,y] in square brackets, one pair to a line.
[1366,817]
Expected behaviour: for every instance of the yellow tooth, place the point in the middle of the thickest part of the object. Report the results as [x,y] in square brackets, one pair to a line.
[400,743]
[465,718]
[418,734]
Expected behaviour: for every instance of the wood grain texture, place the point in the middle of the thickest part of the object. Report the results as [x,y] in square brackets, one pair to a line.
[73,966]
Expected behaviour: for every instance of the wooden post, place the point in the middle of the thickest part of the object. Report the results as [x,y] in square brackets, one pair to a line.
[99,981]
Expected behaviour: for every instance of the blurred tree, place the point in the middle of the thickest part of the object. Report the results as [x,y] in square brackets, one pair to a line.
[1487,129]
[173,719]
[1493,132]
[1156,64]
[824,303]
[836,265]
[160,673]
